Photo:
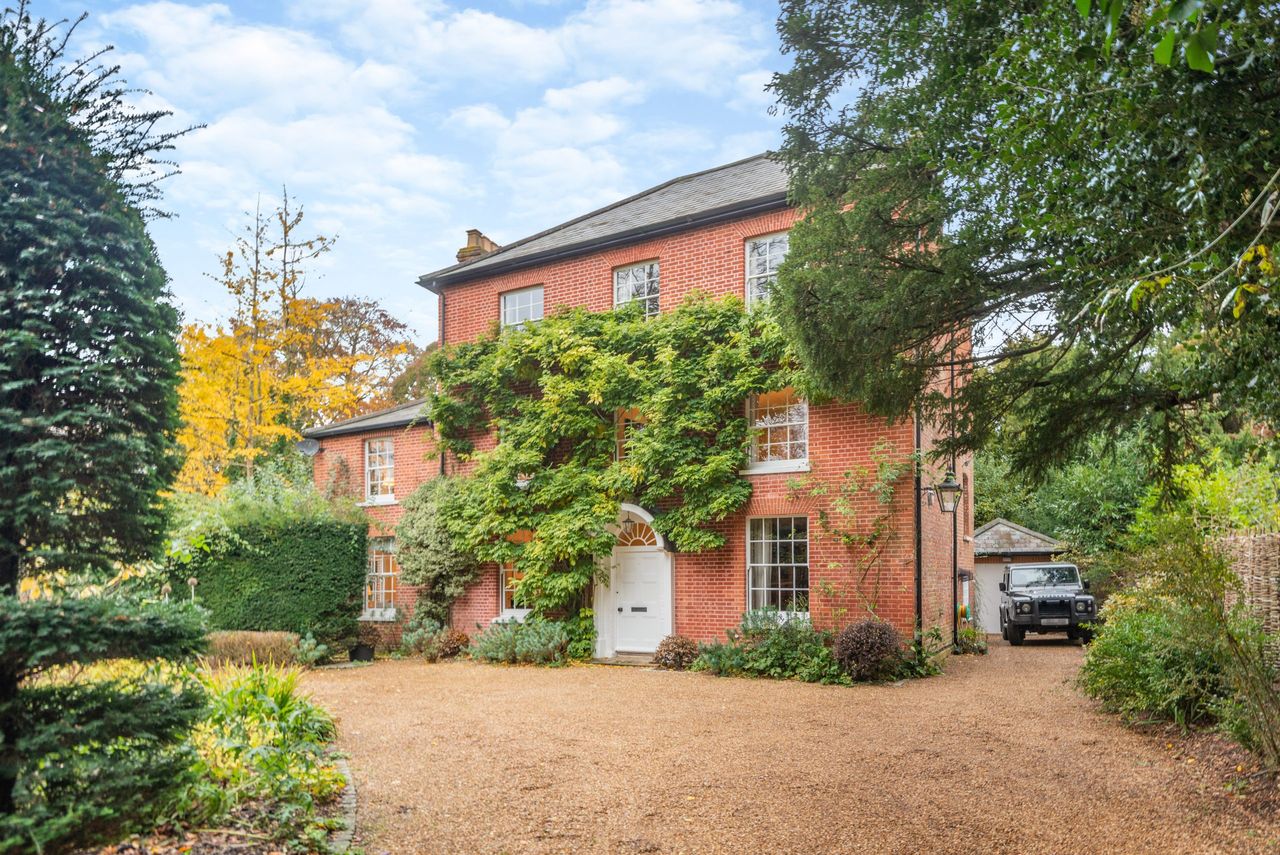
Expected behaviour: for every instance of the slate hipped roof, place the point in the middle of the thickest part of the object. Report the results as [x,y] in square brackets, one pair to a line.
[401,415]
[1001,537]
[726,192]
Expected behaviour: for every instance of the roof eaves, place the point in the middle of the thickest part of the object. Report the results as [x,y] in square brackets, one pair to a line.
[360,424]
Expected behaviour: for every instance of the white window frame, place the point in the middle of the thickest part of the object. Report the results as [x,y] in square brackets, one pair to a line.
[504,613]
[385,463]
[381,567]
[655,278]
[771,274]
[793,565]
[757,466]
[513,303]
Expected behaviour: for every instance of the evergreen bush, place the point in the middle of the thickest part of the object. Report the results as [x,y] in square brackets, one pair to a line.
[427,553]
[536,642]
[307,577]
[94,758]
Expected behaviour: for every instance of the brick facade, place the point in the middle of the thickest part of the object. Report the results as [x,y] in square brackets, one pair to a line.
[339,470]
[710,589]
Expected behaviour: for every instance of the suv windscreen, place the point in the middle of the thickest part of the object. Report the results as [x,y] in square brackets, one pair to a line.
[1043,577]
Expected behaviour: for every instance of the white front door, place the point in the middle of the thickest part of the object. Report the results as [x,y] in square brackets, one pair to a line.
[641,588]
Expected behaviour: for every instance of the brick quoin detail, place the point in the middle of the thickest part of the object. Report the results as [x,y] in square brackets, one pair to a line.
[710,590]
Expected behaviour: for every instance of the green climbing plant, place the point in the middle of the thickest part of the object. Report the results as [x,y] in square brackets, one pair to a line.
[856,512]
[534,414]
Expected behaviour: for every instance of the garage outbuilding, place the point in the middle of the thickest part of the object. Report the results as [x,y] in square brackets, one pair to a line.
[996,545]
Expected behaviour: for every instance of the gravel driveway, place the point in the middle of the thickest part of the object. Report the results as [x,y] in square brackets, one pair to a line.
[999,755]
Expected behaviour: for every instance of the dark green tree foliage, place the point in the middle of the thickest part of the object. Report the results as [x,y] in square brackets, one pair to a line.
[88,372]
[95,758]
[1089,502]
[1088,198]
[304,577]
[87,353]
[552,392]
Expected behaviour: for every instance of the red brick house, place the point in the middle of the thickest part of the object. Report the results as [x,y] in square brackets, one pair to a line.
[722,232]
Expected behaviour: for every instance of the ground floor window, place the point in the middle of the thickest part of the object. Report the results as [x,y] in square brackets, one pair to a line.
[511,607]
[778,564]
[381,580]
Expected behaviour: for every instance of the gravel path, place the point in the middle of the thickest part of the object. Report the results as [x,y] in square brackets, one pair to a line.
[464,758]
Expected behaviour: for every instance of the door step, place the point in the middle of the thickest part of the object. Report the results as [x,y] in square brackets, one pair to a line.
[633,659]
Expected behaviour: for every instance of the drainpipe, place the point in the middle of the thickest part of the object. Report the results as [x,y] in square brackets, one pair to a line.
[919,535]
[440,315]
[955,573]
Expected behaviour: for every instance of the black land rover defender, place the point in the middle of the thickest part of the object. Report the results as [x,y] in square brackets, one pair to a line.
[1045,598]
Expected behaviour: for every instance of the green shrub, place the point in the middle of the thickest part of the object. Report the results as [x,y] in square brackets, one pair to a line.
[1144,665]
[241,647]
[427,554]
[971,641]
[98,749]
[539,642]
[496,643]
[870,649]
[263,742]
[309,652]
[675,653]
[766,644]
[418,636]
[307,577]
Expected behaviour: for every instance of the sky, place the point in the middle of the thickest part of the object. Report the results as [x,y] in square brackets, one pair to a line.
[400,124]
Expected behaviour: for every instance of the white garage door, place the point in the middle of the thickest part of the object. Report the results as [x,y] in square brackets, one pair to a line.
[987,595]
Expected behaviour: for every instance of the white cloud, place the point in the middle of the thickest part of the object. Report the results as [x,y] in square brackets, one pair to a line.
[399,123]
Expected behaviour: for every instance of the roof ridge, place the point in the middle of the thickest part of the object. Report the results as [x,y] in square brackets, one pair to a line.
[453,268]
[985,527]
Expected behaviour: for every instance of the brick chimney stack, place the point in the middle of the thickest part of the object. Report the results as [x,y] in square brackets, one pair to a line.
[477,245]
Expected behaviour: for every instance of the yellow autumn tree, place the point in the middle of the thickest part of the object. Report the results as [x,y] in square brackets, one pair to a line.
[283,361]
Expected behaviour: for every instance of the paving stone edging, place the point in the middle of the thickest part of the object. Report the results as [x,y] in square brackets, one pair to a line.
[341,840]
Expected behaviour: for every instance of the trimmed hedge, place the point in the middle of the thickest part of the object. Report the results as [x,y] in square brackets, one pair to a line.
[307,578]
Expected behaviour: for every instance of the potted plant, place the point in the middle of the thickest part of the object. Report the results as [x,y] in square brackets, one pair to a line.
[366,642]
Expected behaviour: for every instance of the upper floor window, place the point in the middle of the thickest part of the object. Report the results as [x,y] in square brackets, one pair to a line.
[381,580]
[521,307]
[627,423]
[764,254]
[779,423]
[637,283]
[379,471]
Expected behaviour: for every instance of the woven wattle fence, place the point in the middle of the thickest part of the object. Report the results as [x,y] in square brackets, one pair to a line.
[1256,557]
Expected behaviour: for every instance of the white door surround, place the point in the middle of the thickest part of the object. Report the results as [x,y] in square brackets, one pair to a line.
[634,608]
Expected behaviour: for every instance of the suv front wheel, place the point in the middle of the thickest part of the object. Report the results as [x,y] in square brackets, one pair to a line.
[1015,634]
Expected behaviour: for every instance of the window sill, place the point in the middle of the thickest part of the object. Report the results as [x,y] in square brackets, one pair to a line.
[377,503]
[771,466]
[517,615]
[378,616]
